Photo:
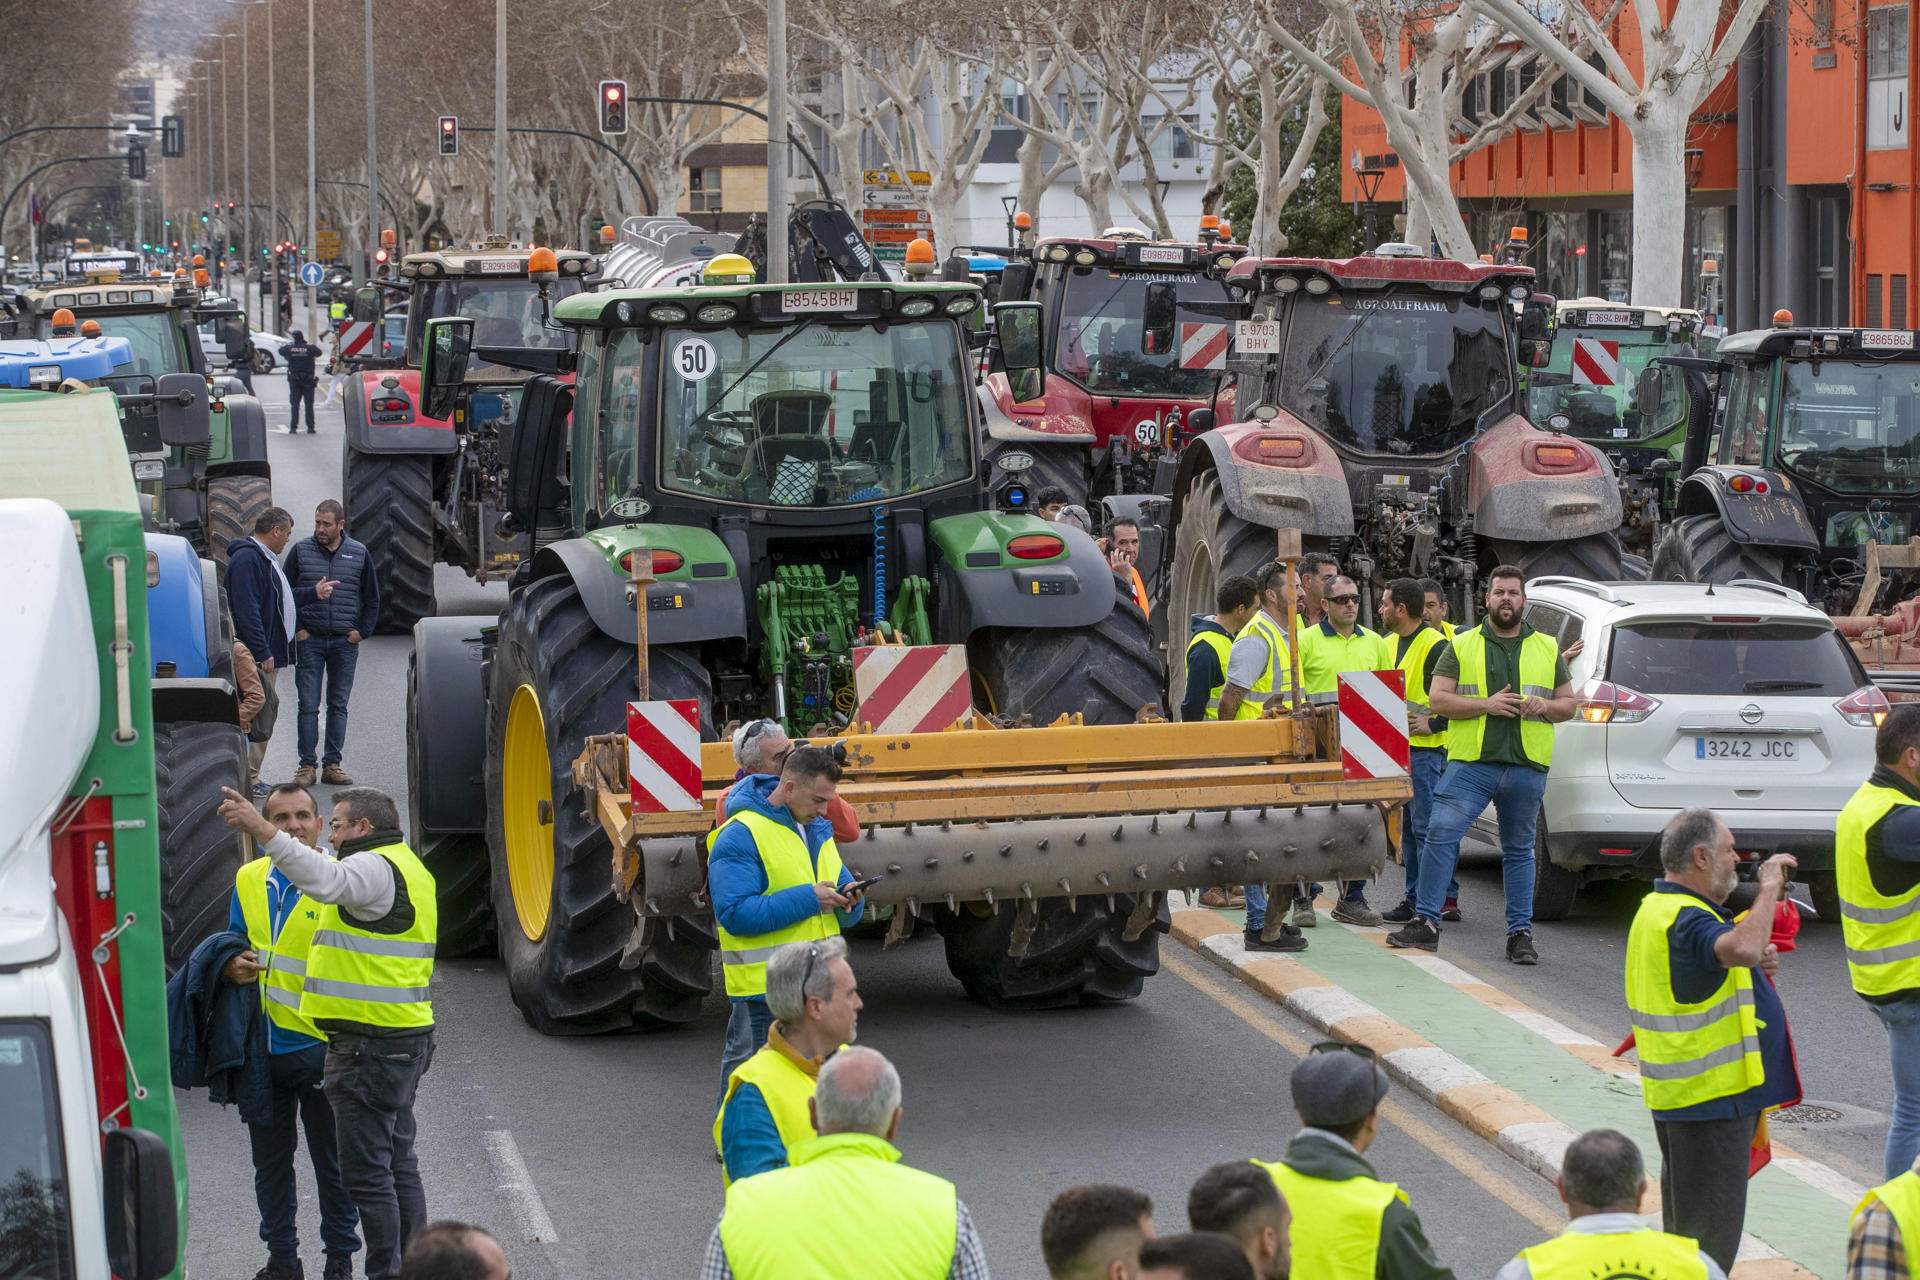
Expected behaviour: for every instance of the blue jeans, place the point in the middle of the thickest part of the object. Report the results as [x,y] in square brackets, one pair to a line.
[1428,763]
[1256,907]
[747,1023]
[1902,1020]
[1465,790]
[334,658]
[298,1103]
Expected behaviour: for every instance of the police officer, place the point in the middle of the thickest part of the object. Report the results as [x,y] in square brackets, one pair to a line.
[1415,645]
[1346,1223]
[369,967]
[279,924]
[1329,649]
[1877,864]
[303,376]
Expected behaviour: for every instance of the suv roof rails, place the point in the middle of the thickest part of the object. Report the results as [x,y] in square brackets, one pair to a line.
[1601,590]
[1774,588]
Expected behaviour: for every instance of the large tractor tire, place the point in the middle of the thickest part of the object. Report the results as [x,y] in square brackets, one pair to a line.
[1699,549]
[458,860]
[233,504]
[1635,568]
[557,679]
[1210,545]
[199,853]
[1064,466]
[390,509]
[1596,558]
[1075,957]
[1106,672]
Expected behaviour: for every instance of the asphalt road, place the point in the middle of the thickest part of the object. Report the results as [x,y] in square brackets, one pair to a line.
[593,1157]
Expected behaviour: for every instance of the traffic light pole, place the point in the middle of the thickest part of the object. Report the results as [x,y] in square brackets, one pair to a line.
[500,113]
[373,154]
[312,241]
[646,193]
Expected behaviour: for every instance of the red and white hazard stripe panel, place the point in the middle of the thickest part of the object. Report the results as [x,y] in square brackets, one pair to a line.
[1203,346]
[1596,362]
[905,688]
[356,338]
[1373,724]
[663,755]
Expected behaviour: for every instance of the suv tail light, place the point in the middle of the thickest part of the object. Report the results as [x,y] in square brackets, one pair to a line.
[1603,702]
[1866,707]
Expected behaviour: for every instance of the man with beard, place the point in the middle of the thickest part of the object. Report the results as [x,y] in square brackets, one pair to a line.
[1710,1030]
[1502,687]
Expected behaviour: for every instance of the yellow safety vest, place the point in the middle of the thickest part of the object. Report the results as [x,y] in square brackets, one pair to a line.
[784,1085]
[1446,629]
[283,959]
[1278,677]
[376,979]
[1902,1198]
[1539,662]
[1327,655]
[1222,646]
[1336,1224]
[337,310]
[783,853]
[1414,666]
[1882,934]
[843,1207]
[1646,1254]
[1689,1052]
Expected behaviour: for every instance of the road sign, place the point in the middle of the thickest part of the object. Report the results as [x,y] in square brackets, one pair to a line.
[919,217]
[895,235]
[912,688]
[312,273]
[663,755]
[892,178]
[326,244]
[1373,724]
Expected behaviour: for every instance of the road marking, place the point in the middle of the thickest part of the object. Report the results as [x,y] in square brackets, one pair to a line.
[1483,1175]
[517,1185]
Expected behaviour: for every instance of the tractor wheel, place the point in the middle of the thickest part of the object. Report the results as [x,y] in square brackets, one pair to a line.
[199,853]
[1635,568]
[1699,549]
[1064,466]
[1210,545]
[1106,672]
[1596,558]
[556,679]
[233,504]
[390,509]
[1075,957]
[459,863]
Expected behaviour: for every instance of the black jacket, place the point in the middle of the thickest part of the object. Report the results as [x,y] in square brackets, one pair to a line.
[355,602]
[301,358]
[218,1031]
[259,609]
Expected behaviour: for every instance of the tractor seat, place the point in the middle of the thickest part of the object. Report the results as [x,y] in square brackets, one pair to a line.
[793,467]
[791,413]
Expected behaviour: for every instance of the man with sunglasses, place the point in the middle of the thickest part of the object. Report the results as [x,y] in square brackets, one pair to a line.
[775,876]
[1346,1224]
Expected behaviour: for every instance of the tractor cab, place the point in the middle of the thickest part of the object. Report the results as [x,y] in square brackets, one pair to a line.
[488,283]
[1599,349]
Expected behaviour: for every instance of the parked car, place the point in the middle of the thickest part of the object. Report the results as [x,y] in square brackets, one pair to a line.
[1740,697]
[266,348]
[393,334]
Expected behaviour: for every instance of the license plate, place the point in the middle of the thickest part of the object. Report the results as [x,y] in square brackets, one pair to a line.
[1162,254]
[152,470]
[792,300]
[501,266]
[1257,337]
[1744,748]
[1610,317]
[1885,340]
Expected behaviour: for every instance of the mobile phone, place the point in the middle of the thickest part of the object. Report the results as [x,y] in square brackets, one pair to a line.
[852,887]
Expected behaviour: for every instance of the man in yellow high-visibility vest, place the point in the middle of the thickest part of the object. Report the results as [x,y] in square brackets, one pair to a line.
[1415,646]
[1329,649]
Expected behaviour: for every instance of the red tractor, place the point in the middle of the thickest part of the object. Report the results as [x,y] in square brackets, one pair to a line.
[422,491]
[1135,334]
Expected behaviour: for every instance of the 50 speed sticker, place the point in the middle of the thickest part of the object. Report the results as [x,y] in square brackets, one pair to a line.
[693,359]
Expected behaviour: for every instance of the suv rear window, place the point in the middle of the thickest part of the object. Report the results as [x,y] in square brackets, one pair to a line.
[1796,659]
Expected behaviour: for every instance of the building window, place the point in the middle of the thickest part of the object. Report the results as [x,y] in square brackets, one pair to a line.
[703,190]
[1174,142]
[1897,301]
[1876,287]
[1887,77]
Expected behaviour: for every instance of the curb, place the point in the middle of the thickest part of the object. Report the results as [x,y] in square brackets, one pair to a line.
[1487,1108]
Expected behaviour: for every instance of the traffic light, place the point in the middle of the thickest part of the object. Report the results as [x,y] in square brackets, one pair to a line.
[613,106]
[230,206]
[137,163]
[173,137]
[381,257]
[449,135]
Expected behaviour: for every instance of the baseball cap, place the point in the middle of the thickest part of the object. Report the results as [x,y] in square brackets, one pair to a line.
[1336,1084]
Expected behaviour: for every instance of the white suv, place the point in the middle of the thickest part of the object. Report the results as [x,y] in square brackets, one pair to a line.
[1740,697]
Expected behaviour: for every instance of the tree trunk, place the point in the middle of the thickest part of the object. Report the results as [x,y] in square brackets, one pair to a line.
[1034,179]
[1659,204]
[1095,189]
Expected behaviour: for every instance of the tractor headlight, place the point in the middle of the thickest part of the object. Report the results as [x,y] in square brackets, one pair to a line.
[1519,293]
[916,307]
[1318,286]
[717,313]
[1287,284]
[667,313]
[1491,292]
[961,305]
[1084,257]
[1058,253]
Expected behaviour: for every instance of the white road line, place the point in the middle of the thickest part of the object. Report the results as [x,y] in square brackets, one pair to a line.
[517,1185]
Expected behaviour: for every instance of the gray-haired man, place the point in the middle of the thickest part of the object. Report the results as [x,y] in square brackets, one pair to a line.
[873,1215]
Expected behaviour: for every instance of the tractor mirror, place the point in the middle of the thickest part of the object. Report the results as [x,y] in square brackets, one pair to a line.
[1535,353]
[1200,420]
[443,362]
[366,304]
[1536,317]
[1015,281]
[143,1222]
[1648,389]
[1022,353]
[180,404]
[1157,313]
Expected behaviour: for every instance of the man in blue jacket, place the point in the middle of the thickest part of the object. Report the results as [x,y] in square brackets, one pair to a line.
[263,604]
[775,876]
[329,631]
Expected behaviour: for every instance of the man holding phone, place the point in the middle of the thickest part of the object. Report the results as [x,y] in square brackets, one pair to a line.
[774,875]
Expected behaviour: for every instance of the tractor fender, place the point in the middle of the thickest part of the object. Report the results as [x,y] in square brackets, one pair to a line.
[447,724]
[1309,493]
[679,611]
[177,603]
[1515,493]
[1059,417]
[1774,518]
[982,586]
[201,701]
[417,433]
[246,440]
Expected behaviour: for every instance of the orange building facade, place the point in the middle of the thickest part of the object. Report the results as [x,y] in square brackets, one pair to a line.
[1803,172]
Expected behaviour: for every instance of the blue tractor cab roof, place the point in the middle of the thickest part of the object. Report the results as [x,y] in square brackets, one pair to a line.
[33,362]
[986,263]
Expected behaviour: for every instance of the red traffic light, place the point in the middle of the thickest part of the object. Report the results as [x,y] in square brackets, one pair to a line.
[615,91]
[381,257]
[230,206]
[446,124]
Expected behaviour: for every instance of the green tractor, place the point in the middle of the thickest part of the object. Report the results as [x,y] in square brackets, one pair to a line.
[203,474]
[797,469]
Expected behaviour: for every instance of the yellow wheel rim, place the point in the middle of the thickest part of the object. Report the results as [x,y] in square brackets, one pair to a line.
[526,801]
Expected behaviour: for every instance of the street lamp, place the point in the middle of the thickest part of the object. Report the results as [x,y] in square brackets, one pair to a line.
[246,141]
[226,123]
[206,104]
[1696,169]
[1368,176]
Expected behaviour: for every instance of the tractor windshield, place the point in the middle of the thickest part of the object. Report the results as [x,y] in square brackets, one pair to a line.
[818,414]
[1590,380]
[1105,344]
[1399,373]
[1854,427]
[158,345]
[505,311]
